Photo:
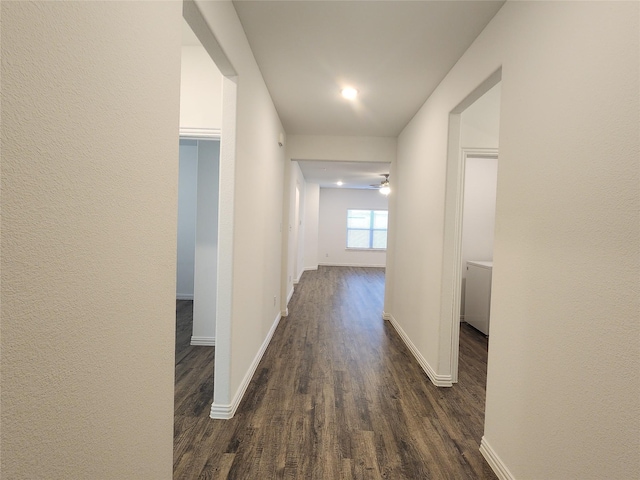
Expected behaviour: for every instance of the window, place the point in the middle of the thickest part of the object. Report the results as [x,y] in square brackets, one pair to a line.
[367,229]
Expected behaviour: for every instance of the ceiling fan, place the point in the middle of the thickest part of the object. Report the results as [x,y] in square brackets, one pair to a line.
[384,187]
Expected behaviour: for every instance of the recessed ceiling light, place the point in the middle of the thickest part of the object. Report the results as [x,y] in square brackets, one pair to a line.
[339,183]
[349,93]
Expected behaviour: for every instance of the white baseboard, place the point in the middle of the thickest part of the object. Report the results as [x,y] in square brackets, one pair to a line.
[350,265]
[225,412]
[437,380]
[386,316]
[184,296]
[494,461]
[309,269]
[290,295]
[203,341]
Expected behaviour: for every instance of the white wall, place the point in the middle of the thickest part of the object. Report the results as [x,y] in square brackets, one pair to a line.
[200,92]
[311,212]
[562,387]
[346,149]
[332,226]
[257,215]
[479,214]
[187,201]
[89,203]
[206,244]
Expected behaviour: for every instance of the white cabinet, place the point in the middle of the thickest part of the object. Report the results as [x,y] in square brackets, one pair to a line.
[477,298]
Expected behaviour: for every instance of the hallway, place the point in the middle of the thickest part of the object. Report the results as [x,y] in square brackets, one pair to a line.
[337,395]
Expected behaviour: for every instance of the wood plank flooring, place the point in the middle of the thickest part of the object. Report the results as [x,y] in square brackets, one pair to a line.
[337,395]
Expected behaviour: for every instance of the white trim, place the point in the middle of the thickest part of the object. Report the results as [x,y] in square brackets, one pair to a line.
[200,133]
[437,380]
[350,265]
[184,296]
[226,215]
[456,265]
[308,269]
[290,294]
[203,341]
[494,461]
[356,249]
[225,412]
[386,316]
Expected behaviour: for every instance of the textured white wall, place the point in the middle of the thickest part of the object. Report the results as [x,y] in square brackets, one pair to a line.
[332,226]
[89,203]
[562,389]
[200,91]
[187,201]
[259,177]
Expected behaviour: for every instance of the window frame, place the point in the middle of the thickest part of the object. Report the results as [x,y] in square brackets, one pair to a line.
[371,230]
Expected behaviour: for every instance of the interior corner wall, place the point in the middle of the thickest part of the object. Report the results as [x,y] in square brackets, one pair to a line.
[332,226]
[259,183]
[187,204]
[563,356]
[89,202]
[206,243]
[200,91]
[311,212]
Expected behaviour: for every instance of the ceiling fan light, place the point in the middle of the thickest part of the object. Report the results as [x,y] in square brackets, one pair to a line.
[349,93]
[385,189]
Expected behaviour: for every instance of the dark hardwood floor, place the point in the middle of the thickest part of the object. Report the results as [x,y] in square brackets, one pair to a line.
[337,395]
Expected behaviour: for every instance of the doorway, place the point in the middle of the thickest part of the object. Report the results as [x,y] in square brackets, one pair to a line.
[478,225]
[198,31]
[473,133]
[198,188]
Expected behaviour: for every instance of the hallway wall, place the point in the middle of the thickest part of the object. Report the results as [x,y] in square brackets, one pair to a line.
[562,391]
[257,215]
[89,203]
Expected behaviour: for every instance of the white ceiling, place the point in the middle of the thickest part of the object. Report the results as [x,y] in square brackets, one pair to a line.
[393,52]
